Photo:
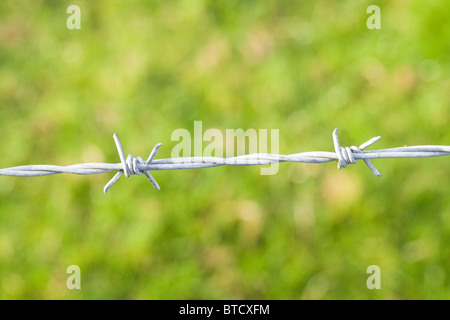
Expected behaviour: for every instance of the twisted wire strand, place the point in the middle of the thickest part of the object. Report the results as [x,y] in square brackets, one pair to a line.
[130,165]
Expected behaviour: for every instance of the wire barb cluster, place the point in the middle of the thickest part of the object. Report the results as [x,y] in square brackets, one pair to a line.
[133,165]
[345,155]
[136,166]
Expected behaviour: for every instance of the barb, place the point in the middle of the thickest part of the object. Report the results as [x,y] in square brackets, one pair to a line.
[345,155]
[132,165]
[136,166]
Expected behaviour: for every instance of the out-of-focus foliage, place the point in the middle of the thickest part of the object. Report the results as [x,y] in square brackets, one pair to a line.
[143,69]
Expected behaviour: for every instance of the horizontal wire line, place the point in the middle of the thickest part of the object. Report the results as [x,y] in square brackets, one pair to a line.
[136,166]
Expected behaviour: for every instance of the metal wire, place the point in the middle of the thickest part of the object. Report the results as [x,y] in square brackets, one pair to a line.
[136,166]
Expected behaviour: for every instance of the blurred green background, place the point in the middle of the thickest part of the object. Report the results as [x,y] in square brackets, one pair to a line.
[145,69]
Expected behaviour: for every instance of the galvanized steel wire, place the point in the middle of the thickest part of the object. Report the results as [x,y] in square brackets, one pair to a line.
[136,166]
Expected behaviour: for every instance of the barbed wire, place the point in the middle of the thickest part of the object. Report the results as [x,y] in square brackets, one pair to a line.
[136,166]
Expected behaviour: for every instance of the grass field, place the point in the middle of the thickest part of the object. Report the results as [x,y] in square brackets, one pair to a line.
[145,69]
